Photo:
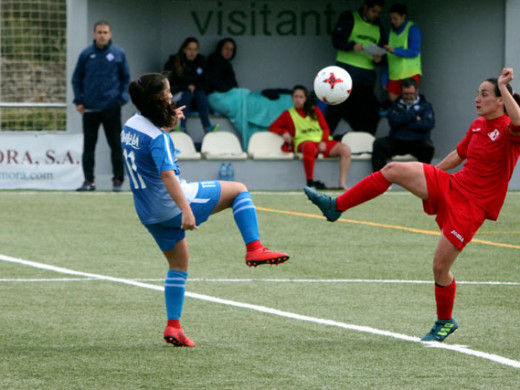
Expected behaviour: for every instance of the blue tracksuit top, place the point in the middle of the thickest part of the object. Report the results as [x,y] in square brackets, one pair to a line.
[101,77]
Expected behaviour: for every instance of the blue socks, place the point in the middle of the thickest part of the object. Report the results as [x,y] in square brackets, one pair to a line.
[174,289]
[244,212]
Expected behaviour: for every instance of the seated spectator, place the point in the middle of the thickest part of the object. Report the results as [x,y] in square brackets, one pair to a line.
[248,111]
[411,119]
[188,80]
[221,76]
[304,128]
[404,52]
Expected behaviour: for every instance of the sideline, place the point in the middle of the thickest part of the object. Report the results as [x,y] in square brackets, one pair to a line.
[365,329]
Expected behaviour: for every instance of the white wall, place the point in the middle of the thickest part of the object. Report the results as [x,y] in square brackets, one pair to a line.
[462,45]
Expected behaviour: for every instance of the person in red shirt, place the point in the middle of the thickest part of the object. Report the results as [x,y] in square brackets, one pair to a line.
[305,130]
[462,200]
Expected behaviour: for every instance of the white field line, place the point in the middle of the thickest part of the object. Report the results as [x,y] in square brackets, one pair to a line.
[365,329]
[305,281]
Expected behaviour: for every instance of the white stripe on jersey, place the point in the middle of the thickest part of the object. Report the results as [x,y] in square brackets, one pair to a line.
[143,125]
[169,152]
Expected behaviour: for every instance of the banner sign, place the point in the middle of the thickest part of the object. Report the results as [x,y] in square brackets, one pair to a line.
[40,161]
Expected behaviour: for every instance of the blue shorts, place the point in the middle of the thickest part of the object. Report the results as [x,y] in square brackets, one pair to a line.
[169,232]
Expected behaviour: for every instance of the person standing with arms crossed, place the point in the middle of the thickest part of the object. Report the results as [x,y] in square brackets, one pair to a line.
[461,200]
[100,83]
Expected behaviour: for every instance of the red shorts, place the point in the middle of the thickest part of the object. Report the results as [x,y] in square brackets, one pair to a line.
[328,146]
[394,86]
[457,216]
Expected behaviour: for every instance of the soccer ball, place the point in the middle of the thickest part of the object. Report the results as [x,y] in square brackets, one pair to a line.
[333,85]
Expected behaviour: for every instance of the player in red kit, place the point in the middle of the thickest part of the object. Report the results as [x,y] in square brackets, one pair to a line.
[462,200]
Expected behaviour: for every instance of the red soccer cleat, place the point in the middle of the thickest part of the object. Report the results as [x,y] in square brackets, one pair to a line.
[176,337]
[265,256]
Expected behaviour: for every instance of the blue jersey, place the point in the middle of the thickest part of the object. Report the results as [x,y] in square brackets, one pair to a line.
[148,151]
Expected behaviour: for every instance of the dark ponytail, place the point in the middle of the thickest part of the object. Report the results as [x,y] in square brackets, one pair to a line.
[147,95]
[496,90]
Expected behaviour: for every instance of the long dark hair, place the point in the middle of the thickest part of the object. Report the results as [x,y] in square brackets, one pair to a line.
[147,95]
[179,62]
[308,106]
[496,90]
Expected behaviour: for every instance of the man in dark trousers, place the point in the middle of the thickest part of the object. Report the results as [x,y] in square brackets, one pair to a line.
[356,36]
[411,119]
[100,83]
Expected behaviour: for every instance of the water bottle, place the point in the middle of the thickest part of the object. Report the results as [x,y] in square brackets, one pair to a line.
[222,172]
[231,172]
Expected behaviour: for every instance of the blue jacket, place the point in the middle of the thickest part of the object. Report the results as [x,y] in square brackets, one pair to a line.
[411,123]
[101,77]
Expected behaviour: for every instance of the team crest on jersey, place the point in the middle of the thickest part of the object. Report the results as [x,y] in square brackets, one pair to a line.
[493,136]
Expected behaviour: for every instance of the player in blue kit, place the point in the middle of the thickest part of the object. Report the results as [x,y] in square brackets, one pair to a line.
[168,205]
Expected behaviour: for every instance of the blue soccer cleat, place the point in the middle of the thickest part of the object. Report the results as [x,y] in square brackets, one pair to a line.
[441,330]
[325,203]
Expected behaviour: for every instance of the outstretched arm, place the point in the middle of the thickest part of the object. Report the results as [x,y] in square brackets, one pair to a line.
[451,161]
[512,108]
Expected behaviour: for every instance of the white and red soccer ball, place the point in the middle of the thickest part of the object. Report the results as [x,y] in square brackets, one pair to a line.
[333,85]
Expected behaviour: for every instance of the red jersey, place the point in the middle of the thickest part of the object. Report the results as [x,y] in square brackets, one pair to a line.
[284,123]
[491,153]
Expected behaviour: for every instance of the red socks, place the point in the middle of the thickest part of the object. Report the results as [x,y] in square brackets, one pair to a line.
[368,188]
[445,297]
[174,324]
[254,245]
[309,150]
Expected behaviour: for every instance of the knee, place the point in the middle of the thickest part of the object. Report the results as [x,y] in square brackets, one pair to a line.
[200,94]
[391,170]
[376,146]
[344,150]
[440,270]
[240,187]
[230,189]
[309,150]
